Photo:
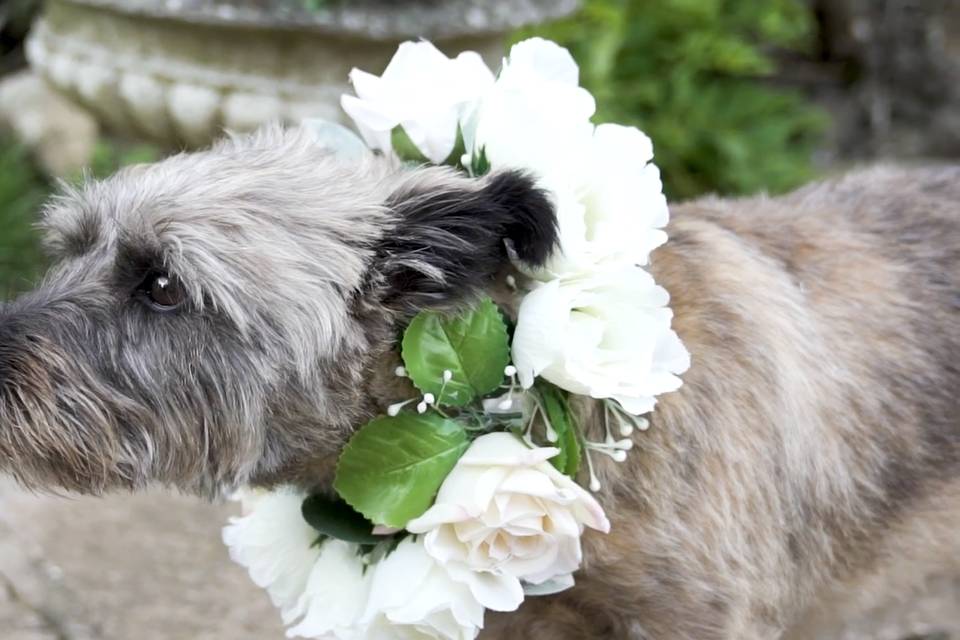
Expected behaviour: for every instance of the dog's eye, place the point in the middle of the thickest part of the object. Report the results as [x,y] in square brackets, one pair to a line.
[163,291]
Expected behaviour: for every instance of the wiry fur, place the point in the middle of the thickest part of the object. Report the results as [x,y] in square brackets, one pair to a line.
[811,457]
[451,241]
[291,262]
[811,460]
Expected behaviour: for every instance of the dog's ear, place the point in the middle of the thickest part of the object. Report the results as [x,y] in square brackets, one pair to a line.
[454,234]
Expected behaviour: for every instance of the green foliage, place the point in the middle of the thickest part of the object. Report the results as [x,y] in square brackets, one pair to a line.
[407,151]
[561,421]
[108,157]
[336,519]
[22,190]
[690,74]
[472,346]
[392,468]
[404,147]
[319,5]
[15,19]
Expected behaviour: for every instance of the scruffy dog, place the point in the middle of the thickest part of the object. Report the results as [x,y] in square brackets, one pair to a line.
[231,316]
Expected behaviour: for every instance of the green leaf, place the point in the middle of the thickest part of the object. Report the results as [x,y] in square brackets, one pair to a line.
[459,148]
[480,165]
[337,519]
[409,152]
[404,147]
[570,443]
[473,346]
[562,421]
[392,468]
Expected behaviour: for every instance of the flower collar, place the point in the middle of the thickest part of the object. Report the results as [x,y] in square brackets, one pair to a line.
[465,497]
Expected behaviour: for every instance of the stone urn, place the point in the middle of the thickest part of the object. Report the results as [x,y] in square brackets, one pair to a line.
[178,72]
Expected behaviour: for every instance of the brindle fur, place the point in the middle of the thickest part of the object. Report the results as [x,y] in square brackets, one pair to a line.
[810,462]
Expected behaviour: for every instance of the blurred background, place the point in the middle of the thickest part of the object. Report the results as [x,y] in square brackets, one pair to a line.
[739,97]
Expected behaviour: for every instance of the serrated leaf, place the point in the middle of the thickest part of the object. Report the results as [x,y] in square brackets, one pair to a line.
[558,413]
[392,468]
[337,519]
[472,346]
[404,147]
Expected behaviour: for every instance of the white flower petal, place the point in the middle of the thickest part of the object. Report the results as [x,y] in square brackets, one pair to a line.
[617,341]
[422,90]
[275,544]
[504,450]
[550,587]
[418,595]
[532,482]
[539,336]
[375,126]
[545,59]
[335,594]
[440,513]
[530,526]
[497,592]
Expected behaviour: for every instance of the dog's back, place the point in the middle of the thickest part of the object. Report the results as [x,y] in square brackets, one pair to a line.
[823,418]
[811,460]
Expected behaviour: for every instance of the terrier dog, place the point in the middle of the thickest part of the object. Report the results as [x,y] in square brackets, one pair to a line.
[231,316]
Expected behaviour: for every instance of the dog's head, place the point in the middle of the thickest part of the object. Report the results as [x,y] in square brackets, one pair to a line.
[221,317]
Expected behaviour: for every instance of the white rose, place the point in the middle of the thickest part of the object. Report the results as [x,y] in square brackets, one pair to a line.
[335,594]
[412,597]
[608,195]
[276,545]
[535,116]
[623,209]
[605,334]
[424,91]
[610,208]
[506,515]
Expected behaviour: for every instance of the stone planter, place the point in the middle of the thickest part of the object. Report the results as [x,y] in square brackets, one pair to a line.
[178,72]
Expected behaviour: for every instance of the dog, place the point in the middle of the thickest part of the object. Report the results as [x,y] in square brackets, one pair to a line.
[230,316]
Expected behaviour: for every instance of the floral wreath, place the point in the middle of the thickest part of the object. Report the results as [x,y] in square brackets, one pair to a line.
[465,498]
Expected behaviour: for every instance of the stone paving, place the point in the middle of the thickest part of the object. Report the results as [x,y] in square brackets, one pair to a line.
[144,567]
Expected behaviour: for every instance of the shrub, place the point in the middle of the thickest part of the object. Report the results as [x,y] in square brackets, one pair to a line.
[22,190]
[690,73]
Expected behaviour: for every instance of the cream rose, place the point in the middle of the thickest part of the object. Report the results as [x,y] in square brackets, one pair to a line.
[506,515]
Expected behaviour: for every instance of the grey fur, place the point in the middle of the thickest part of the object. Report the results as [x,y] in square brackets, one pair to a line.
[810,465]
[276,244]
